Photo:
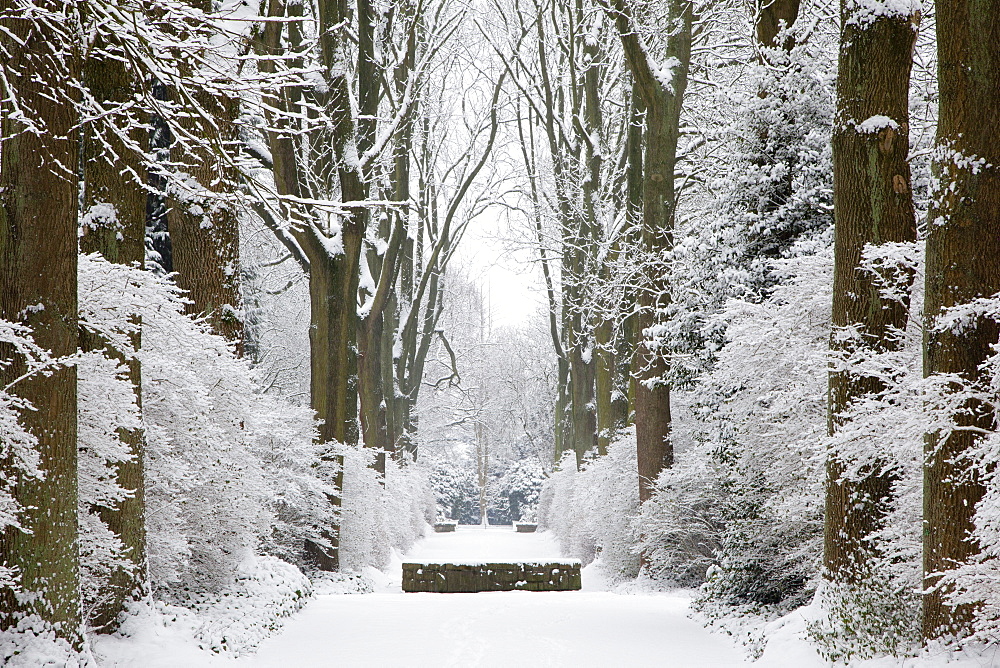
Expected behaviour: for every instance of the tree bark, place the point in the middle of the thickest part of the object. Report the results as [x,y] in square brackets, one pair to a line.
[873,204]
[374,407]
[38,288]
[629,339]
[963,263]
[112,177]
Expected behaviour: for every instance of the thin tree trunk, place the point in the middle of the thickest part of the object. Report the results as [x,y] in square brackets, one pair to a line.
[873,204]
[604,382]
[38,288]
[374,407]
[629,338]
[963,263]
[399,423]
[584,357]
[113,178]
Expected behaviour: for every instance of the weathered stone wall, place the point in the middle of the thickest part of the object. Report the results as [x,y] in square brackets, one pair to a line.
[456,578]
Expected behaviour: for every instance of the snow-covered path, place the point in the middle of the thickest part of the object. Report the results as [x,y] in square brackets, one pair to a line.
[516,629]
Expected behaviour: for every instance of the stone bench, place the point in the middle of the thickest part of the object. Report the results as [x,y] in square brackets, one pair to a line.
[476,577]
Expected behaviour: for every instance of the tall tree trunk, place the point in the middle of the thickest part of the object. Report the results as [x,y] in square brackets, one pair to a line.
[399,423]
[963,263]
[38,287]
[371,354]
[629,339]
[663,101]
[604,383]
[112,184]
[873,204]
[202,219]
[204,231]
[584,355]
[333,276]
[333,361]
[341,299]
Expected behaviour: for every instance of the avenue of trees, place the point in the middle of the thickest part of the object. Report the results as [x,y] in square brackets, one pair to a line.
[766,234]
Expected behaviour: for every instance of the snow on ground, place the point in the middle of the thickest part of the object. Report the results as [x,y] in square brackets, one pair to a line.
[391,629]
[493,544]
[495,629]
[788,647]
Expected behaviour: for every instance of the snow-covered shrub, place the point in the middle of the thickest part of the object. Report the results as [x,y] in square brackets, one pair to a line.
[33,642]
[106,406]
[767,191]
[300,477]
[609,502]
[559,510]
[682,522]
[409,503]
[515,490]
[379,514]
[17,445]
[764,409]
[874,618]
[207,496]
[229,471]
[453,481]
[593,511]
[264,591]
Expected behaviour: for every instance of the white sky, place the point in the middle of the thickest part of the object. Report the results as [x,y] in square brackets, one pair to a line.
[511,281]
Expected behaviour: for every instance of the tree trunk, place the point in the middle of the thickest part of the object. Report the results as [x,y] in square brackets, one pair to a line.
[399,410]
[112,179]
[333,361]
[371,355]
[204,227]
[963,263]
[604,382]
[873,204]
[38,288]
[663,107]
[629,339]
[770,15]
[202,218]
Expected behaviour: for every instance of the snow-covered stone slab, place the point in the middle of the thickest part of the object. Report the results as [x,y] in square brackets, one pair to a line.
[555,575]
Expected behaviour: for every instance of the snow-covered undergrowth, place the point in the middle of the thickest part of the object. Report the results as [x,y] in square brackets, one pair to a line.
[32,642]
[379,514]
[263,593]
[17,447]
[592,511]
[230,471]
[234,481]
